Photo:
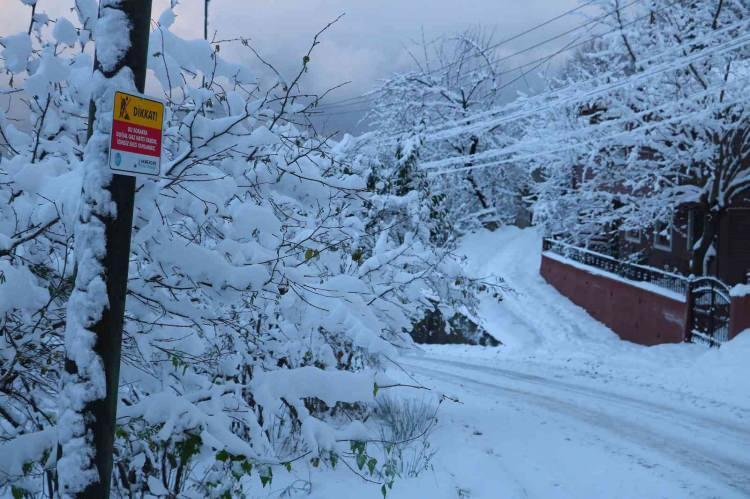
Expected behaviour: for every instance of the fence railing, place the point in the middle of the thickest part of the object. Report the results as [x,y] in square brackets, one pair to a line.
[634,272]
[710,306]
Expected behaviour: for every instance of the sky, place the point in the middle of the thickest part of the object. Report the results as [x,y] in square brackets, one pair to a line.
[366,45]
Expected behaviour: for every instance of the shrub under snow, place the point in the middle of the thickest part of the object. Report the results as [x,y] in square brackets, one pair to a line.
[263,301]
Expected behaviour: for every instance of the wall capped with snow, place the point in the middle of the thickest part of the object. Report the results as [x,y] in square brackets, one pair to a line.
[635,313]
[739,318]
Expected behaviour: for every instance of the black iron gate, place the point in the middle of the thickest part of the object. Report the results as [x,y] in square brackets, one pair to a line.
[710,304]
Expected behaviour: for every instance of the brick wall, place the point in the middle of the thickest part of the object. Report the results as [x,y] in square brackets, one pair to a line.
[739,319]
[634,312]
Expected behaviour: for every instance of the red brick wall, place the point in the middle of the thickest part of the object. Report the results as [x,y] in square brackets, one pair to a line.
[635,314]
[739,318]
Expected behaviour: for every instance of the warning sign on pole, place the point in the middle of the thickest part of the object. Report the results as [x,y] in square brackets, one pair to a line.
[135,145]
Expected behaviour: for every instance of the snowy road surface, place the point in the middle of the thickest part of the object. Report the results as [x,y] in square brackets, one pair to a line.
[564,409]
[518,434]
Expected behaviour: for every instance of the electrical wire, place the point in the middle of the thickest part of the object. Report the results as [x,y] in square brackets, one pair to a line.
[367,96]
[572,93]
[589,131]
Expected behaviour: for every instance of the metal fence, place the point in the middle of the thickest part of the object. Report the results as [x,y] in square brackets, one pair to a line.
[634,272]
[710,307]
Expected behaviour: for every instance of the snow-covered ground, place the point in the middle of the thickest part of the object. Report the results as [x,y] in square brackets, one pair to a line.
[566,409]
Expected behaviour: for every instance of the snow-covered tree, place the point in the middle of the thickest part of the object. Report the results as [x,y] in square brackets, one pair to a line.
[453,78]
[262,301]
[674,134]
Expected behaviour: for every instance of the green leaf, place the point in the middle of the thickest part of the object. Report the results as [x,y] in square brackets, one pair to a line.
[247,467]
[361,460]
[222,455]
[310,253]
[189,447]
[334,459]
[288,466]
[358,447]
[371,465]
[375,390]
[266,478]
[383,491]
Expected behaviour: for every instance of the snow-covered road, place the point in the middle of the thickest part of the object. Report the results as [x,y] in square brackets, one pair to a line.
[518,434]
[564,409]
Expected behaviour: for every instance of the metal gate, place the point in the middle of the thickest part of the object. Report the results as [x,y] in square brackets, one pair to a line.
[709,311]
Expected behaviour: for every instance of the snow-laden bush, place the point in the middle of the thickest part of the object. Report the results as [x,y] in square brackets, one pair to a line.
[263,297]
[409,422]
[412,231]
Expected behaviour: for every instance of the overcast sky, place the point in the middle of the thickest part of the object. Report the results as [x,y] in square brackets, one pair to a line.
[366,45]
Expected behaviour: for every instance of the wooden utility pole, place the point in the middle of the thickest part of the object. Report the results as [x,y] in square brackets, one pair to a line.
[100,415]
[205,19]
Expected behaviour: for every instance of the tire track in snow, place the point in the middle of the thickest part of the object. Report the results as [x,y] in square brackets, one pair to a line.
[729,428]
[706,460]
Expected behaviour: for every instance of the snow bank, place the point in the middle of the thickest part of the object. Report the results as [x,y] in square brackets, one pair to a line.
[727,366]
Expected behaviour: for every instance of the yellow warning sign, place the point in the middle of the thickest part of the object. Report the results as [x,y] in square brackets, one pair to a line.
[138,111]
[136,141]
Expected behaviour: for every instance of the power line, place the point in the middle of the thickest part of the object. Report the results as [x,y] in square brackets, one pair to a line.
[540,61]
[725,46]
[447,130]
[367,96]
[519,147]
[546,23]
[342,112]
[565,33]
[536,62]
[543,152]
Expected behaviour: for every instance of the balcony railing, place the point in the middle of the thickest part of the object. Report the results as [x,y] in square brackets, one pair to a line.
[634,272]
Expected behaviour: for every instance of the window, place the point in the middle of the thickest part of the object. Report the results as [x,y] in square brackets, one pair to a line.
[663,236]
[633,236]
